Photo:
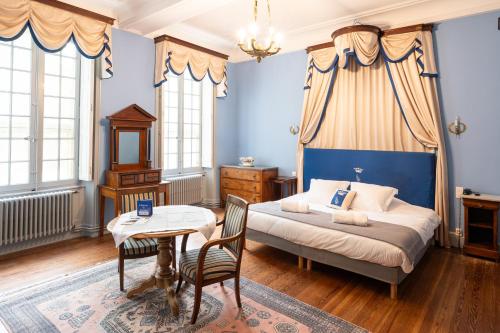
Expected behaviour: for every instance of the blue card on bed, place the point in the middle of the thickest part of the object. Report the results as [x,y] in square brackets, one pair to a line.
[144,207]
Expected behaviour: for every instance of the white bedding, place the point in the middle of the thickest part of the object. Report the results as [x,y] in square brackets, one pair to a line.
[422,220]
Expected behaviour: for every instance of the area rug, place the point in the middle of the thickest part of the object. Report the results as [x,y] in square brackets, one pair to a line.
[90,301]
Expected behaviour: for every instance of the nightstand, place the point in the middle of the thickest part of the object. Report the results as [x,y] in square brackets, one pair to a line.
[287,185]
[481,225]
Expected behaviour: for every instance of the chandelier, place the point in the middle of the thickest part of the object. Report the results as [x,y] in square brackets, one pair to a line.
[257,42]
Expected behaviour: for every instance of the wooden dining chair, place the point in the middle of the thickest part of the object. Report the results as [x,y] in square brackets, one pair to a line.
[209,265]
[137,248]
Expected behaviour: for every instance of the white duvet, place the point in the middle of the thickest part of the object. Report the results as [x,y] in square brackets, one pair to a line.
[422,220]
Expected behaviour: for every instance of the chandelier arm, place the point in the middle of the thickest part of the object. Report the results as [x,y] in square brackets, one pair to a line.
[255,10]
[269,12]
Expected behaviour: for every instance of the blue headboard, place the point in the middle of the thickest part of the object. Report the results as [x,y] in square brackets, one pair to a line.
[413,174]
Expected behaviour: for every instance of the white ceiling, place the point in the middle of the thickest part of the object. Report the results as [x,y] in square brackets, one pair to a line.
[215,23]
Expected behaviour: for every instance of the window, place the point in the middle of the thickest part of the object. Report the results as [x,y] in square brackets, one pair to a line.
[186,120]
[39,112]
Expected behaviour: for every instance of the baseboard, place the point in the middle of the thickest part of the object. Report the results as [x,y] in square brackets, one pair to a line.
[455,240]
[16,247]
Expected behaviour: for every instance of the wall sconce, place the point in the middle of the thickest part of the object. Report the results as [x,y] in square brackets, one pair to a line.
[358,172]
[457,127]
[294,129]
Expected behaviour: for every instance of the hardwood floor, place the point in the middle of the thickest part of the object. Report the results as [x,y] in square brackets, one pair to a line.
[447,292]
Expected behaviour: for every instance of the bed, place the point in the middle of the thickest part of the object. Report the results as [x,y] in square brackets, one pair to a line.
[413,174]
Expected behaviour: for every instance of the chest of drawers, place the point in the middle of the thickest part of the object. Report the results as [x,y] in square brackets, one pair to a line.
[254,184]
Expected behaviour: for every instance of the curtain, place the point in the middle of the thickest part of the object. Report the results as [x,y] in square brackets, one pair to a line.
[373,122]
[384,100]
[317,88]
[52,27]
[171,56]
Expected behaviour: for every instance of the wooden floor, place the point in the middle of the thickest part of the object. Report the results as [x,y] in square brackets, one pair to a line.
[447,292]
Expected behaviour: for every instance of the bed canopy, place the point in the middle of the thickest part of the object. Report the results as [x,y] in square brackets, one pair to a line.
[375,90]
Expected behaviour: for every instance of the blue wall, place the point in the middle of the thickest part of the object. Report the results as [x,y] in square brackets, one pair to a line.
[270,99]
[467,51]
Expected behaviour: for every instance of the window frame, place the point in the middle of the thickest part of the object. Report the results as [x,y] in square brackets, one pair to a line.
[37,95]
[180,170]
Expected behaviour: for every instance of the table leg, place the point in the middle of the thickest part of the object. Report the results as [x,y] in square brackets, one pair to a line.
[163,277]
[164,274]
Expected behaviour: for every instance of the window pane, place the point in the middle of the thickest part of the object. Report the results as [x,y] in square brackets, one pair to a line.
[22,59]
[5,56]
[187,160]
[187,86]
[196,102]
[67,149]
[187,130]
[4,174]
[172,100]
[69,50]
[68,67]
[172,131]
[195,133]
[4,79]
[52,64]
[51,107]
[67,128]
[172,161]
[20,150]
[67,108]
[20,127]
[187,115]
[4,150]
[195,160]
[49,171]
[51,85]
[195,146]
[196,117]
[4,127]
[187,145]
[66,170]
[187,102]
[173,115]
[24,40]
[50,149]
[4,103]
[21,104]
[50,128]
[172,146]
[19,173]
[21,82]
[173,83]
[67,87]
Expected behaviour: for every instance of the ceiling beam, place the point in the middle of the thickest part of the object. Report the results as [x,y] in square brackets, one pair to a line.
[149,18]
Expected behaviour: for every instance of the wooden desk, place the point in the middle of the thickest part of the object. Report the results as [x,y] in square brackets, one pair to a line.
[288,185]
[106,191]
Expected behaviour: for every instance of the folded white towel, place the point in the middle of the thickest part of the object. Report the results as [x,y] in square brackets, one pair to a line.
[294,206]
[350,217]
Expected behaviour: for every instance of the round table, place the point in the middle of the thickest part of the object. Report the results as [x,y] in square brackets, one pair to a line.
[163,276]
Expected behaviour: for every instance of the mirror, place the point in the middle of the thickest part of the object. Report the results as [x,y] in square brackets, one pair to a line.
[128,151]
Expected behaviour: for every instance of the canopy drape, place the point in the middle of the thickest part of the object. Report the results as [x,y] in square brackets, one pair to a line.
[176,57]
[52,28]
[385,99]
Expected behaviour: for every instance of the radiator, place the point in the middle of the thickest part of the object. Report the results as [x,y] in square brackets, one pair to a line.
[186,190]
[34,216]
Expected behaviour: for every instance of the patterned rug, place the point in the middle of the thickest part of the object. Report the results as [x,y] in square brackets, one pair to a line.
[90,301]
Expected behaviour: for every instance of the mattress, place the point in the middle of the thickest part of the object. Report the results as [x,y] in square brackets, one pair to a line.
[422,220]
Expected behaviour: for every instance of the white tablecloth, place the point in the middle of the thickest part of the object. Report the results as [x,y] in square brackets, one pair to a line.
[166,218]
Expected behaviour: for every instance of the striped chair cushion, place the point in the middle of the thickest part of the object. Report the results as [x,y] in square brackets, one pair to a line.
[235,221]
[143,246]
[217,263]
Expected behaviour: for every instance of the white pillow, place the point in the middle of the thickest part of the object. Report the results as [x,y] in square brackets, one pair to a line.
[371,197]
[321,191]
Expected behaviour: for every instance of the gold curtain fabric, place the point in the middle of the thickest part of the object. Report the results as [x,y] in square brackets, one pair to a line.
[317,85]
[362,111]
[54,27]
[175,57]
[363,44]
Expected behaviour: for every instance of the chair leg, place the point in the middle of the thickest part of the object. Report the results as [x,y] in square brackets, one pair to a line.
[174,254]
[197,302]
[179,283]
[237,290]
[121,269]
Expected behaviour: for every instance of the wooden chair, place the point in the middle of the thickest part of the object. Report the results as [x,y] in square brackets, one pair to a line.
[209,265]
[137,248]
